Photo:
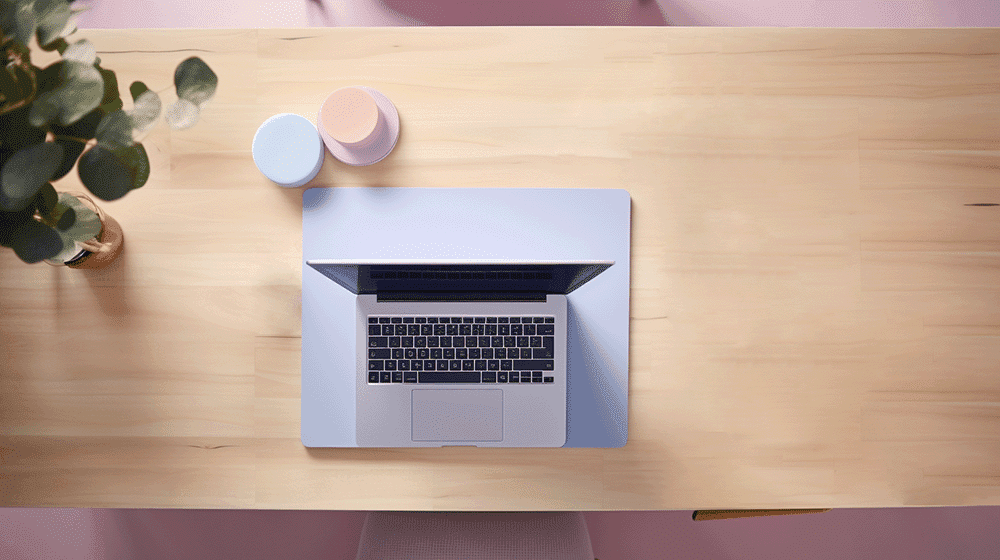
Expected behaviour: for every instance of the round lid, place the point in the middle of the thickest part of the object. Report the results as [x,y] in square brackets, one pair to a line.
[288,150]
[349,115]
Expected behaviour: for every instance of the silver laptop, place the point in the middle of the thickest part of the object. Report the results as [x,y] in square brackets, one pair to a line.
[460,352]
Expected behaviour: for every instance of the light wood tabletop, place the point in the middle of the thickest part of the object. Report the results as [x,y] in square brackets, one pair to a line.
[815,299]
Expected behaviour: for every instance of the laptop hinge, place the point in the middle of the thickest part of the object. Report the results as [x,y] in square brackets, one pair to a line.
[461,296]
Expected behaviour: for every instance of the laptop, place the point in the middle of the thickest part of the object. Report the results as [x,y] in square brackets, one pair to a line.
[460,352]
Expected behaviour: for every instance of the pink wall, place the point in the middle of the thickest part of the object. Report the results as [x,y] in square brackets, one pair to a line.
[884,534]
[858,534]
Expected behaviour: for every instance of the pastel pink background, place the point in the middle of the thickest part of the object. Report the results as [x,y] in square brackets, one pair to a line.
[858,534]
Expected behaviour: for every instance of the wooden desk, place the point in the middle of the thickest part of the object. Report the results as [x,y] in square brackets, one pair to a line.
[815,296]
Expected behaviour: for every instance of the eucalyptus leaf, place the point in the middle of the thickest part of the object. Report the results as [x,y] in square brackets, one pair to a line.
[16,132]
[25,172]
[79,91]
[114,132]
[104,174]
[84,129]
[195,81]
[53,16]
[182,114]
[46,199]
[136,89]
[10,222]
[67,220]
[18,20]
[81,51]
[144,113]
[35,241]
[112,100]
[71,152]
[86,226]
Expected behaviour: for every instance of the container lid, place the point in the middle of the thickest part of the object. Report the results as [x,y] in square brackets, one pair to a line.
[288,150]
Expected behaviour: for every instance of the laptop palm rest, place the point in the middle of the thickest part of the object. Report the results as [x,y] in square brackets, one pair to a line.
[457,414]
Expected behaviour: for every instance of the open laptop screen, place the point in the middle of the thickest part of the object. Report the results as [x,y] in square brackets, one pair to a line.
[440,277]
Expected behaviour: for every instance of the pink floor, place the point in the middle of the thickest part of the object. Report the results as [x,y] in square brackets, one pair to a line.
[884,534]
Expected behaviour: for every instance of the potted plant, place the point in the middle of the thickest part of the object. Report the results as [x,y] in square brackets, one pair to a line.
[70,111]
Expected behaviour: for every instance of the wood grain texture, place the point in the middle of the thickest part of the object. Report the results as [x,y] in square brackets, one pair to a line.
[815,301]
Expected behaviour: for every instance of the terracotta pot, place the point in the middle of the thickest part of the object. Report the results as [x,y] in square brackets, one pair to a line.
[111,233]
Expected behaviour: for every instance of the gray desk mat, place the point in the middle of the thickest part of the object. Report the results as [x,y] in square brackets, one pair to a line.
[515,224]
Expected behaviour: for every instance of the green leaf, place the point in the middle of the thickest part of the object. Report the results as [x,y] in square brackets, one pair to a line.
[114,132]
[10,222]
[136,89]
[67,220]
[46,199]
[103,174]
[53,18]
[136,159]
[25,172]
[195,81]
[112,100]
[71,152]
[18,20]
[86,226]
[16,132]
[59,44]
[35,241]
[85,128]
[182,114]
[79,90]
[81,51]
[144,113]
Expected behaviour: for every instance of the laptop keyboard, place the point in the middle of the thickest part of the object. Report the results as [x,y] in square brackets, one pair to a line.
[460,349]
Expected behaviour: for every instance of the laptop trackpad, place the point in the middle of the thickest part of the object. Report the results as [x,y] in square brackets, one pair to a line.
[457,414]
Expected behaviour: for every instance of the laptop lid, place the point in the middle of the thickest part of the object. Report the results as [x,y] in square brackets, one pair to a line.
[416,280]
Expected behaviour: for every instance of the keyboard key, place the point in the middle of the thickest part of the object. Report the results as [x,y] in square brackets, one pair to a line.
[373,377]
[549,379]
[491,330]
[413,330]
[503,319]
[478,330]
[522,342]
[426,330]
[389,365]
[493,365]
[550,320]
[455,365]
[457,341]
[503,330]
[484,342]
[432,319]
[387,330]
[491,319]
[397,377]
[506,365]
[525,354]
[542,353]
[464,329]
[397,353]
[529,330]
[374,330]
[418,365]
[397,319]
[449,377]
[545,365]
[480,319]
[487,353]
[410,377]
[407,319]
[517,330]
[496,342]
[475,354]
[444,341]
[432,341]
[512,377]
[403,365]
[410,353]
[535,341]
[373,319]
[442,365]
[502,377]
[393,342]
[449,353]
[480,365]
[539,319]
[407,342]
[378,342]
[546,329]
[535,374]
[452,330]
[400,330]
[385,376]
[508,341]
[489,377]
[439,330]
[467,320]
[421,319]
[467,365]
[383,319]
[379,354]
[525,319]
[422,354]
[456,320]
[499,353]
[471,341]
[420,341]
[461,353]
[536,379]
